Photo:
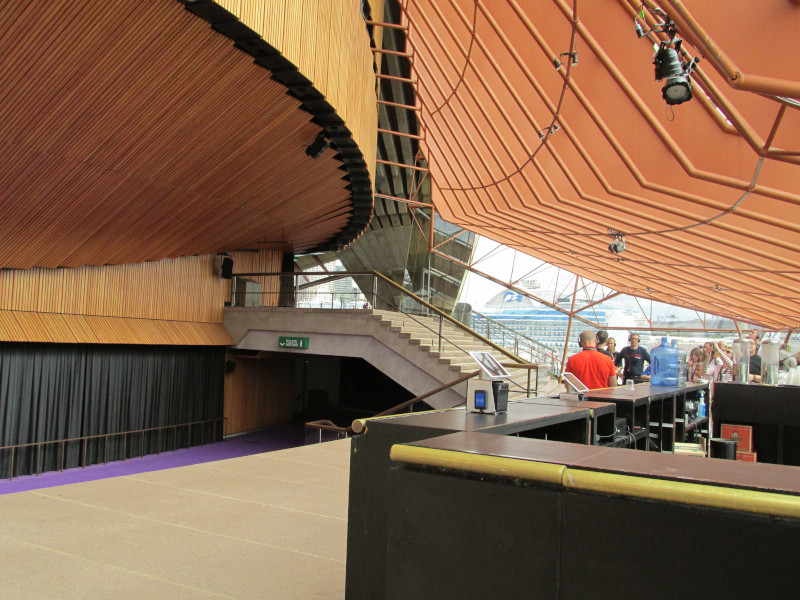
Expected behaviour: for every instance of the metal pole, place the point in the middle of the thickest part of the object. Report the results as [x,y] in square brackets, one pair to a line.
[569,328]
[440,335]
[11,469]
[38,462]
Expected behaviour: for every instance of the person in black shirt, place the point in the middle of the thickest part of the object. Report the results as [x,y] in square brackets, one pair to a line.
[602,338]
[755,363]
[633,358]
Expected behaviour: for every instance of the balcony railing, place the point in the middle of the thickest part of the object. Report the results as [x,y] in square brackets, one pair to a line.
[520,344]
[311,289]
[115,446]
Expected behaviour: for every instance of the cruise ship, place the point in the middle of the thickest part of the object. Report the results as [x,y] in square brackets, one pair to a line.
[548,326]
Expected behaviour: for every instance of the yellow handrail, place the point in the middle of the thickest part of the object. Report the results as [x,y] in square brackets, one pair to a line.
[680,492]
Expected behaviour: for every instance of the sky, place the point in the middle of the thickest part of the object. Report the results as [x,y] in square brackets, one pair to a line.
[510,266]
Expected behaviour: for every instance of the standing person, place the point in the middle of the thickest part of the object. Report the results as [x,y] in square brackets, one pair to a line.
[714,361]
[611,348]
[726,373]
[694,366]
[595,370]
[632,358]
[755,361]
[711,361]
[602,338]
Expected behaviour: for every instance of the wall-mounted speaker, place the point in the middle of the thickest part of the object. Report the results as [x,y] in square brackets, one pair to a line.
[230,366]
[226,269]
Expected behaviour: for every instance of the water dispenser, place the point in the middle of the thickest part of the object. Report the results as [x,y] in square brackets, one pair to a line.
[770,358]
[741,360]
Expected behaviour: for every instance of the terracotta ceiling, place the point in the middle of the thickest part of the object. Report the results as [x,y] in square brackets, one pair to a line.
[554,159]
[131,131]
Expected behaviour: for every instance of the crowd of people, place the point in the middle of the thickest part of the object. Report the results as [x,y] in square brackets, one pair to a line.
[599,364]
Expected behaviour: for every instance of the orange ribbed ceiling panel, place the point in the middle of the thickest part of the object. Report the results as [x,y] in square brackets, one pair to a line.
[552,159]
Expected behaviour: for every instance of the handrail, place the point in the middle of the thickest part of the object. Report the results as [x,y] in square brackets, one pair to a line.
[707,495]
[327,276]
[455,322]
[392,284]
[537,348]
[85,439]
[441,388]
[358,425]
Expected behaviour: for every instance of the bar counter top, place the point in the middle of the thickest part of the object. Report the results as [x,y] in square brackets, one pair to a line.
[728,473]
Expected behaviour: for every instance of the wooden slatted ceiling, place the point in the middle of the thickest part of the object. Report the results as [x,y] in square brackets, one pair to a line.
[708,224]
[324,39]
[129,131]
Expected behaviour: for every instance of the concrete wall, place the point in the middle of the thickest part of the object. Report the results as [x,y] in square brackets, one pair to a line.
[350,333]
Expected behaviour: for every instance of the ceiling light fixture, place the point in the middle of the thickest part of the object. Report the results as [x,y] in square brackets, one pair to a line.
[573,55]
[667,57]
[669,66]
[618,245]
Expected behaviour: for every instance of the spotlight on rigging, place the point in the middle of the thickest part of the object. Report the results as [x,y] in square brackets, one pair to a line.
[318,146]
[668,65]
[618,245]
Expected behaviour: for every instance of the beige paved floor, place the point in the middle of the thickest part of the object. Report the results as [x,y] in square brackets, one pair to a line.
[270,525]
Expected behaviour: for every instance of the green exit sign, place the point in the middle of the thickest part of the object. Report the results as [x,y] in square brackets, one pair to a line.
[299,343]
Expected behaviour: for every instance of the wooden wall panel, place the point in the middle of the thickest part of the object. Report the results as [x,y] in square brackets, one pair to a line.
[172,301]
[19,326]
[265,261]
[173,289]
[258,393]
[328,42]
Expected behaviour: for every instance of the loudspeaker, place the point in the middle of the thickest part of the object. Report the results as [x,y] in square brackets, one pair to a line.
[226,269]
[230,366]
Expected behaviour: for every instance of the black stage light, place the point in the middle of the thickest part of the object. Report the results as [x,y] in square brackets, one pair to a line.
[677,90]
[669,66]
[318,146]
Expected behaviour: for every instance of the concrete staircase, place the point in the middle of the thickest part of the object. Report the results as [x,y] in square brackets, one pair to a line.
[403,347]
[453,352]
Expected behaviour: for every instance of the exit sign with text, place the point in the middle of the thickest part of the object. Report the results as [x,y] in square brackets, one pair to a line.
[298,343]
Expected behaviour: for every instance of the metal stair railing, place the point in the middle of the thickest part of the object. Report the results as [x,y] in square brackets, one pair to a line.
[414,307]
[438,336]
[524,346]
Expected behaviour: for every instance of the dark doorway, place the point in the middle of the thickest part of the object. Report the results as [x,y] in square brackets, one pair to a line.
[342,389]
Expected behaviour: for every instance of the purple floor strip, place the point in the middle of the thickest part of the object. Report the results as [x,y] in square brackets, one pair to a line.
[266,440]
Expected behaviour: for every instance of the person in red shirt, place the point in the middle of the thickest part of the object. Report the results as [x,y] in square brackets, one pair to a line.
[595,370]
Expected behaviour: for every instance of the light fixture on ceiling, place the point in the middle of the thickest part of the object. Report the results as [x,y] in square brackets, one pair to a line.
[318,146]
[573,55]
[552,129]
[667,58]
[618,245]
[669,66]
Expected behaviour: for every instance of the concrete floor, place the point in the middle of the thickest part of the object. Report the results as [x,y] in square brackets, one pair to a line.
[270,525]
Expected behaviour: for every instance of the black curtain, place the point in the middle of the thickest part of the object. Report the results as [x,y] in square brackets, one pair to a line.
[62,391]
